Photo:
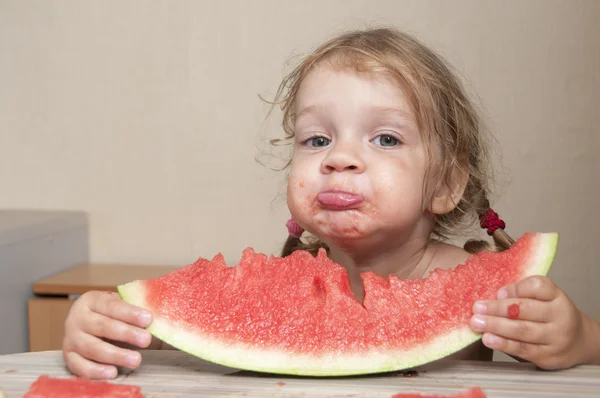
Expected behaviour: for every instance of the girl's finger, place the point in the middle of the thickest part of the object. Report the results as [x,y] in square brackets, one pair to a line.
[534,287]
[83,367]
[113,307]
[525,309]
[514,329]
[113,329]
[94,349]
[526,351]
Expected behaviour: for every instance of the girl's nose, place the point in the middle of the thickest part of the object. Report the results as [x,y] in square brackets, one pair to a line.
[342,158]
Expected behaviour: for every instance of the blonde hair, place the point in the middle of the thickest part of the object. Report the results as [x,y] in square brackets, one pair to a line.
[445,116]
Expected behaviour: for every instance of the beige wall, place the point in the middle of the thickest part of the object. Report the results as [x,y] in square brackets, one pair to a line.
[146,114]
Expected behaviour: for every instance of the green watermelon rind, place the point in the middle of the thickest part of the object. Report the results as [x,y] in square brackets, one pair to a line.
[262,359]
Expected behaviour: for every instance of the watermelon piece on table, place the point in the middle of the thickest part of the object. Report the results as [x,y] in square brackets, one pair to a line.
[298,315]
[77,387]
[474,392]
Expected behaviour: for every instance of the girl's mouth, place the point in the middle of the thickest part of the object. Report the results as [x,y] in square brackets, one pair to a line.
[339,200]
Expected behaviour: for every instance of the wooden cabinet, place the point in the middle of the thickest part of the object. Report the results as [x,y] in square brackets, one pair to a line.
[54,296]
[46,319]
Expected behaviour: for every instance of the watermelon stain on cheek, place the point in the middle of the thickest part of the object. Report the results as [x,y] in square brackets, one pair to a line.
[311,206]
[513,311]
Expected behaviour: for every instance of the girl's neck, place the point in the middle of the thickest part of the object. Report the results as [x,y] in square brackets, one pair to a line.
[410,260]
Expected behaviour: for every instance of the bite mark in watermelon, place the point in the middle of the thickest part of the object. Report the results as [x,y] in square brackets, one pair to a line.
[298,315]
[474,392]
[54,387]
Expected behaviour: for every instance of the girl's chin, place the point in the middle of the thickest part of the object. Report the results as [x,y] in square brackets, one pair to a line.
[344,237]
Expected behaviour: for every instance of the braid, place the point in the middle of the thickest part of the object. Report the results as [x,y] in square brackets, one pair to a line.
[291,244]
[495,226]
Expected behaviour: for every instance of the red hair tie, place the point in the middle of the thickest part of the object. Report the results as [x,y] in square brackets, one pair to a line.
[491,221]
[294,229]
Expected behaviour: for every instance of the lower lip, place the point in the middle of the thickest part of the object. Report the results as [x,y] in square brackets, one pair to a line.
[339,200]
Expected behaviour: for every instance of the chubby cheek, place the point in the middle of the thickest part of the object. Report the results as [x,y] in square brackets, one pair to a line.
[387,189]
[300,198]
[397,192]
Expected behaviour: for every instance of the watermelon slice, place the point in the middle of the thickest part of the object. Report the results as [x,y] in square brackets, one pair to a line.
[298,315]
[474,392]
[54,387]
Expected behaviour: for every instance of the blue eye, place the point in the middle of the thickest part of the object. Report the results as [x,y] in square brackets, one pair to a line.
[386,140]
[318,141]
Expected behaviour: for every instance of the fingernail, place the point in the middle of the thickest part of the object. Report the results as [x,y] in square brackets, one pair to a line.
[478,323]
[144,317]
[502,293]
[491,340]
[480,308]
[108,372]
[131,360]
[141,337]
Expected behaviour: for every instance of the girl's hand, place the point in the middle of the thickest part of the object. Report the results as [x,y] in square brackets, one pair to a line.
[103,315]
[536,321]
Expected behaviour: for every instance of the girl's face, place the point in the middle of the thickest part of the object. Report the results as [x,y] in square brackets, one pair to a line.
[358,166]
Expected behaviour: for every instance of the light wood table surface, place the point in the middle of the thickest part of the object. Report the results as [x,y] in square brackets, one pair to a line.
[86,277]
[171,374]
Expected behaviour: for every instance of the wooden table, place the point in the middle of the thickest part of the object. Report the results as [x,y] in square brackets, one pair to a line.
[170,374]
[55,295]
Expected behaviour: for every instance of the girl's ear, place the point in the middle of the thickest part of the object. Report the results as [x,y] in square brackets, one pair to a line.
[447,195]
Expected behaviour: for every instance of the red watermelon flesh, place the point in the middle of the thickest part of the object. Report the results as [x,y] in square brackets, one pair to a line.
[475,392]
[54,387]
[298,315]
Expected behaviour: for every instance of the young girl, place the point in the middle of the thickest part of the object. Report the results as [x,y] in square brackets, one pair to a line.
[388,162]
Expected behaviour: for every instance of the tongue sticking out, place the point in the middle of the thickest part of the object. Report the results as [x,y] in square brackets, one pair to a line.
[339,200]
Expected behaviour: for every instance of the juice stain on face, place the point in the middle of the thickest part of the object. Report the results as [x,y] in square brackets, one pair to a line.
[312,207]
[353,229]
